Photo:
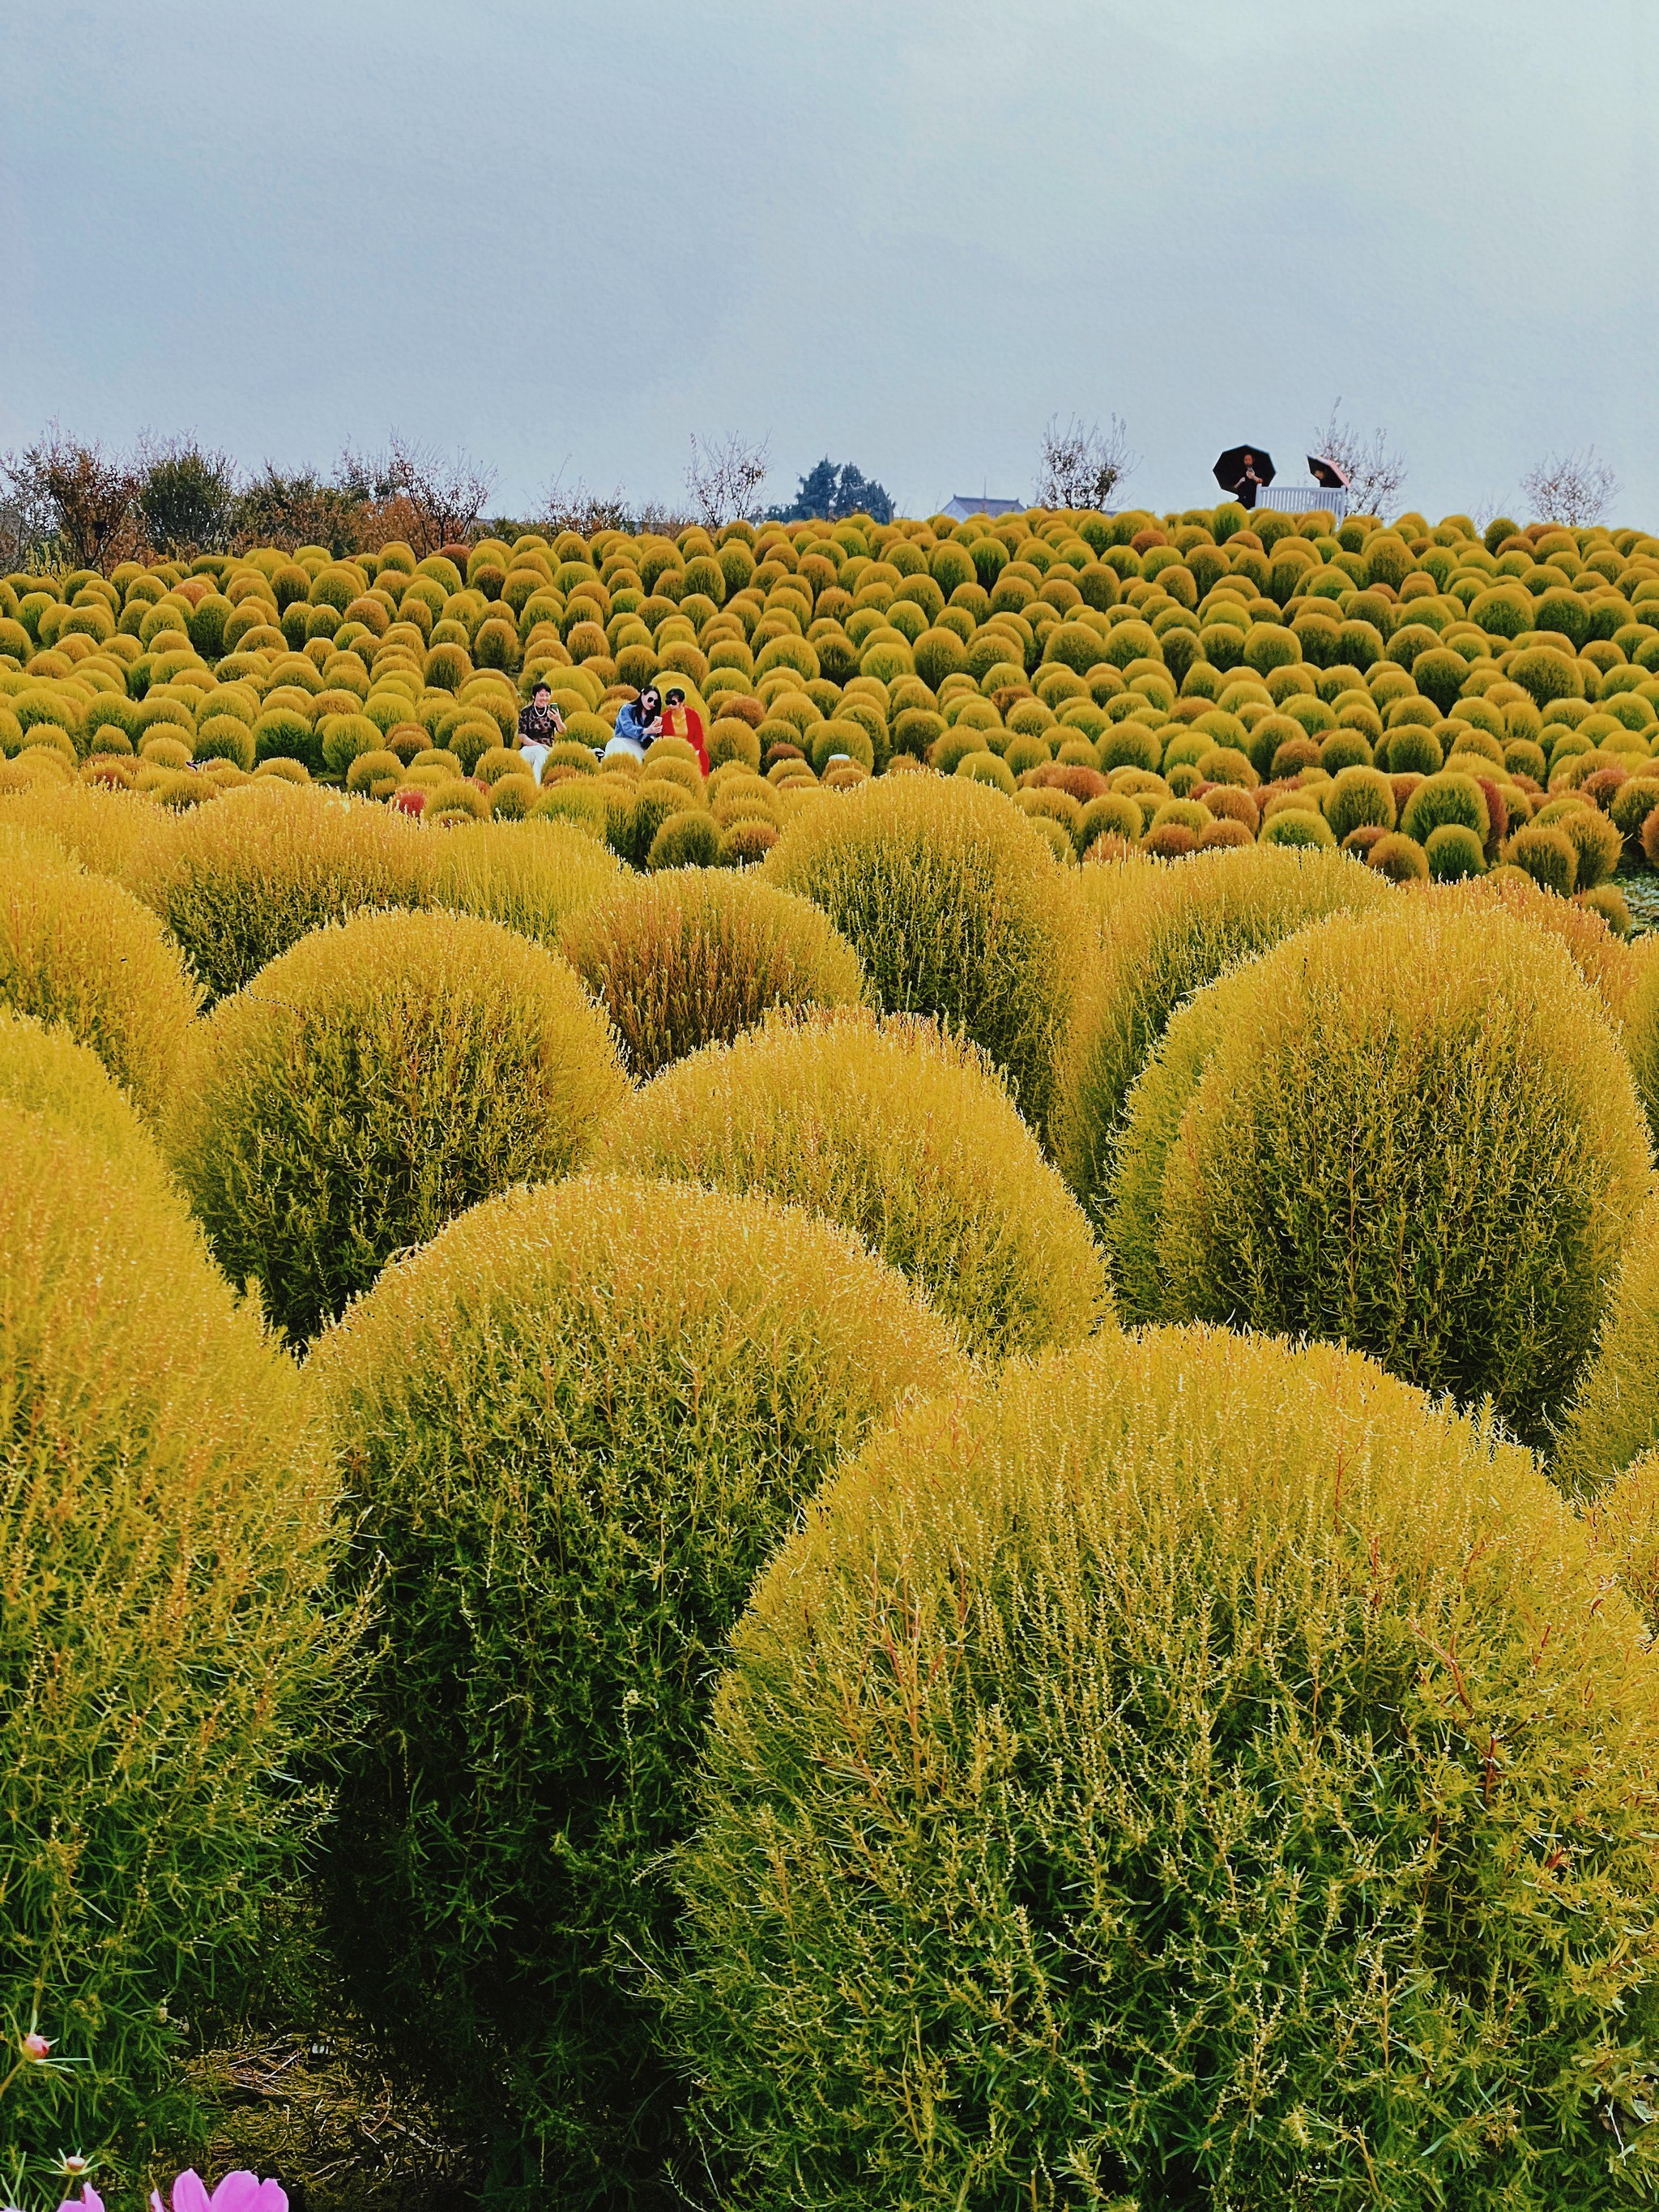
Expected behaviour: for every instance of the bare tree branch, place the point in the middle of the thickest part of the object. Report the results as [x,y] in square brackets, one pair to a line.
[439,496]
[1577,489]
[1081,465]
[581,509]
[274,509]
[725,480]
[28,517]
[88,497]
[415,492]
[1375,470]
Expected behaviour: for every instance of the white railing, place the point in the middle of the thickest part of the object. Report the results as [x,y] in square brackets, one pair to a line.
[1304,499]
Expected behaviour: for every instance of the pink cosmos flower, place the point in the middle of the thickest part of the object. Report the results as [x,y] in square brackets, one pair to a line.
[237,2192]
[87,2200]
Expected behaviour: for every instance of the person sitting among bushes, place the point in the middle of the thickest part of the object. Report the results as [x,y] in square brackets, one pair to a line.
[681,720]
[638,721]
[539,723]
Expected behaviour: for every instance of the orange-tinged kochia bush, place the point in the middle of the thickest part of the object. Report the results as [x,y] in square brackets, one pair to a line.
[1124,1769]
[76,949]
[378,1079]
[1606,965]
[1171,930]
[573,1428]
[907,1137]
[690,957]
[948,897]
[169,1666]
[1413,1130]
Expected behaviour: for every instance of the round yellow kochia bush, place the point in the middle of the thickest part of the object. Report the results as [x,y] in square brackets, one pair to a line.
[1413,1130]
[1132,1772]
[169,1662]
[1168,932]
[690,956]
[531,876]
[118,834]
[1606,963]
[247,876]
[1642,1029]
[907,1137]
[1614,1415]
[45,1072]
[379,1078]
[76,949]
[1622,1522]
[949,897]
[572,1427]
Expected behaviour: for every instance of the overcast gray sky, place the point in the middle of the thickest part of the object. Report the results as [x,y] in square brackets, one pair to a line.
[565,237]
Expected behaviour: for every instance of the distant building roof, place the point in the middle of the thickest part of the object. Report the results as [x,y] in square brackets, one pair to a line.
[965,504]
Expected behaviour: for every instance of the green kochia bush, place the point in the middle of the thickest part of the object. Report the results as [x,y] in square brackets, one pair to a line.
[689,839]
[168,1666]
[1450,797]
[247,876]
[1414,1130]
[1150,1782]
[947,896]
[379,1078]
[907,1137]
[1173,931]
[1454,853]
[573,1426]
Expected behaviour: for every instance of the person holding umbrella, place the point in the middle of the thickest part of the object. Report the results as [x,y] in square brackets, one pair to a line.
[1243,470]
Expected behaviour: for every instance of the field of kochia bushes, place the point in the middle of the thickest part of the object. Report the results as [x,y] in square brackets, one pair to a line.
[928,1478]
[1438,700]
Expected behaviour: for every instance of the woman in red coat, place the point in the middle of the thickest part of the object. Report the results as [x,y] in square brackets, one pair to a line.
[679,720]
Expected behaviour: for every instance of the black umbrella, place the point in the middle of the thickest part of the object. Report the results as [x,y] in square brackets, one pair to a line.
[1331,474]
[1242,468]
